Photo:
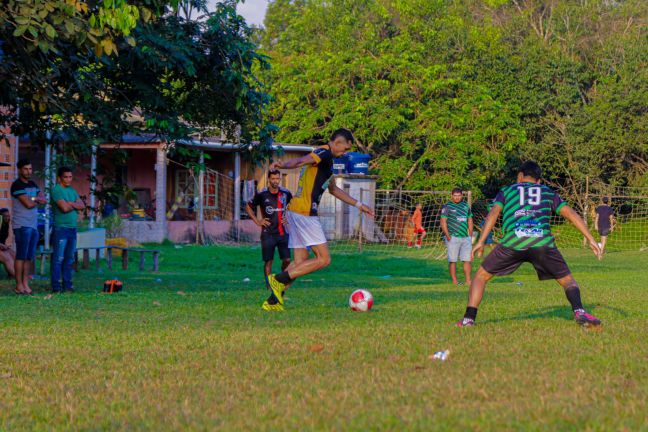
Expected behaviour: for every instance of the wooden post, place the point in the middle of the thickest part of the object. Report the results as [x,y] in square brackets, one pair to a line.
[155,261]
[109,257]
[42,263]
[586,208]
[97,257]
[141,261]
[361,225]
[124,259]
[86,259]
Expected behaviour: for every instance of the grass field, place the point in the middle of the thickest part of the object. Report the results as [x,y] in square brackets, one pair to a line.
[190,349]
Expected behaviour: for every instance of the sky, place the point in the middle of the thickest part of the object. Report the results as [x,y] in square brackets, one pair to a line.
[253,11]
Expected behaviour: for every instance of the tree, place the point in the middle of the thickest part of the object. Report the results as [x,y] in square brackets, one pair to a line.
[460,92]
[395,73]
[167,74]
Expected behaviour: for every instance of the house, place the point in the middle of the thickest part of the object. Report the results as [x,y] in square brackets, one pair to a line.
[148,172]
[8,173]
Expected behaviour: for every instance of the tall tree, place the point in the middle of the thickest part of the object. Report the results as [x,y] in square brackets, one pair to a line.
[168,74]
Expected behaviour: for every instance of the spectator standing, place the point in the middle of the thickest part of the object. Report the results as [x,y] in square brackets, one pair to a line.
[66,204]
[26,197]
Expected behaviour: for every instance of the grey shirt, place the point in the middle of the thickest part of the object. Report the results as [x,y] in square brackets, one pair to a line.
[22,216]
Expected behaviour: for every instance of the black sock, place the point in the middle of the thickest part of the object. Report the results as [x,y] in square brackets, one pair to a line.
[471,313]
[573,295]
[272,300]
[283,277]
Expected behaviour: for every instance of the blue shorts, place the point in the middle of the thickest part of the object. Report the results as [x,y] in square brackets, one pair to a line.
[26,240]
[459,248]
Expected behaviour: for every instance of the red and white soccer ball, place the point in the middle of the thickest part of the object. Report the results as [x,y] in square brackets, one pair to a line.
[361,300]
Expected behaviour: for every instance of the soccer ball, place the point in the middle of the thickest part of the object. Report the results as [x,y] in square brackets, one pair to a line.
[361,300]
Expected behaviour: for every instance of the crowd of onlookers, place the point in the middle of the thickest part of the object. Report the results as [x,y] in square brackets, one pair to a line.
[19,234]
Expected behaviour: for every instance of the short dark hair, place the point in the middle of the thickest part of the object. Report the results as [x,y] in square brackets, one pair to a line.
[530,169]
[344,133]
[457,190]
[273,172]
[605,200]
[62,170]
[23,162]
[4,210]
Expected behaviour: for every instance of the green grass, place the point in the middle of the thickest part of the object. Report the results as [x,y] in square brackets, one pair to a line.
[194,351]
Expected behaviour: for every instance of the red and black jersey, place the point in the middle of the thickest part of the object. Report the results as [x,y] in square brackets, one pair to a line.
[273,207]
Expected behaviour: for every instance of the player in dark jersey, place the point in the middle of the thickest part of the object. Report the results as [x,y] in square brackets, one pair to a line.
[527,207]
[273,202]
[604,222]
[303,222]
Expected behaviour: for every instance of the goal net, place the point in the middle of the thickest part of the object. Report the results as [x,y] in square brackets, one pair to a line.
[392,229]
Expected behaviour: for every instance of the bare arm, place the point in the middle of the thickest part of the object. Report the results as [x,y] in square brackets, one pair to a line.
[596,218]
[64,206]
[573,217]
[294,162]
[471,227]
[77,205]
[345,197]
[253,216]
[27,202]
[444,228]
[491,219]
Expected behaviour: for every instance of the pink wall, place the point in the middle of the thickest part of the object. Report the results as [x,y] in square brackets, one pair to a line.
[185,231]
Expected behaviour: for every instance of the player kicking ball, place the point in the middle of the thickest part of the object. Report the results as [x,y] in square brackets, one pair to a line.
[304,227]
[527,207]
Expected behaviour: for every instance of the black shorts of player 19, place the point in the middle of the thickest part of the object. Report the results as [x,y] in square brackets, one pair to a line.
[527,206]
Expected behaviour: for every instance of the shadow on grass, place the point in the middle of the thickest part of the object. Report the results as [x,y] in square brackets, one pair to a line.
[562,312]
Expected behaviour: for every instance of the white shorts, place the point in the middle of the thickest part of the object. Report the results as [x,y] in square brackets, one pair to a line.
[304,231]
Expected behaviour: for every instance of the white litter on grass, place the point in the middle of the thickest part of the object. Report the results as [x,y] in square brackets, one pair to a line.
[177,246]
[246,280]
[441,355]
[519,283]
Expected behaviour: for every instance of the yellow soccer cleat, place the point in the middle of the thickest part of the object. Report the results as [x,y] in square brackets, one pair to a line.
[277,288]
[272,308]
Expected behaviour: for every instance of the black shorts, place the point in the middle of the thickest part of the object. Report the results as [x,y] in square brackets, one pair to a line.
[604,231]
[547,261]
[268,244]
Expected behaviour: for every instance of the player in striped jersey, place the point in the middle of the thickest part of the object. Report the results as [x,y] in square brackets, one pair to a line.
[526,209]
[457,227]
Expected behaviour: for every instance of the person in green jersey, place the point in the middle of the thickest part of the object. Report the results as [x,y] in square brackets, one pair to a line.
[457,227]
[66,205]
[526,209]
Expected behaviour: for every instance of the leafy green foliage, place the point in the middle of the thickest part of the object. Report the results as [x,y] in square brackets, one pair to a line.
[167,75]
[456,93]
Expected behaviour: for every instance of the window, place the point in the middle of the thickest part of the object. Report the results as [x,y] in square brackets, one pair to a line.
[188,183]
